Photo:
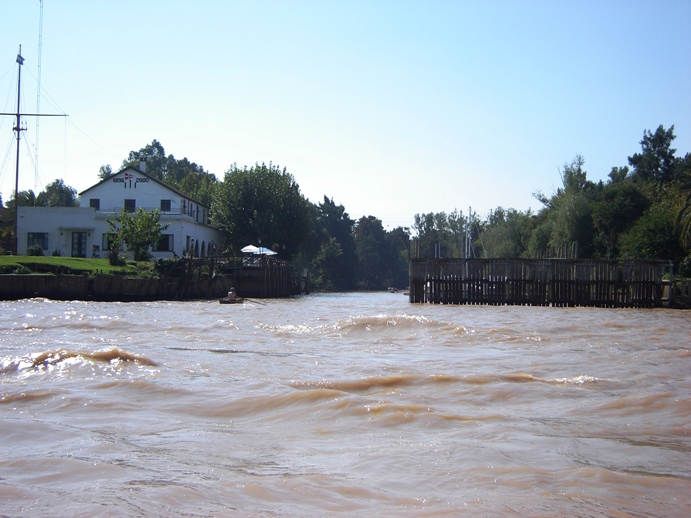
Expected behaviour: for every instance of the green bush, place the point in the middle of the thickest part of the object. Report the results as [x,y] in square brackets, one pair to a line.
[34,250]
[115,259]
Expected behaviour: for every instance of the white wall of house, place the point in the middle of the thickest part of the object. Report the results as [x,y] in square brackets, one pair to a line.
[132,189]
[55,228]
[77,231]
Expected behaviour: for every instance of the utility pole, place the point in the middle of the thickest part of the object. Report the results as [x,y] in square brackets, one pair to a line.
[18,128]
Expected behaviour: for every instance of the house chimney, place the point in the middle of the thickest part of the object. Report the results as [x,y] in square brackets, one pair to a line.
[142,165]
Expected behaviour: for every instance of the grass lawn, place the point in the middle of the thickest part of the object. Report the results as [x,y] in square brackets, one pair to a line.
[73,263]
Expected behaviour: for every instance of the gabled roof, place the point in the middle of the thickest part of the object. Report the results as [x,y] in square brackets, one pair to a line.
[151,178]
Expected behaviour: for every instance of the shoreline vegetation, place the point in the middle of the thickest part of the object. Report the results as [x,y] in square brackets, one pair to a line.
[641,212]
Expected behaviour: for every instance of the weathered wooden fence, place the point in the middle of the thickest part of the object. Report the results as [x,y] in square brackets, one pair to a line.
[546,282]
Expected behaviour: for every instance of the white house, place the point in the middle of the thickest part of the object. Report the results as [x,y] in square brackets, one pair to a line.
[84,231]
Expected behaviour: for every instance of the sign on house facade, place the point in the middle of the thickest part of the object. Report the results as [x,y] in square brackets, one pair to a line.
[84,231]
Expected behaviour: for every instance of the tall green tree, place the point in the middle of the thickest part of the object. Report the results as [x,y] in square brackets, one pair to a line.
[615,212]
[155,156]
[370,240]
[655,235]
[568,213]
[58,194]
[443,235]
[397,256]
[683,218]
[182,174]
[506,232]
[262,203]
[105,172]
[656,161]
[337,259]
[139,231]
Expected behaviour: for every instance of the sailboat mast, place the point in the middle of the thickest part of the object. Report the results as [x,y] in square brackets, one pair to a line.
[18,129]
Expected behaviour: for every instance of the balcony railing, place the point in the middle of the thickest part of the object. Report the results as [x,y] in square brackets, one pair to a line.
[169,214]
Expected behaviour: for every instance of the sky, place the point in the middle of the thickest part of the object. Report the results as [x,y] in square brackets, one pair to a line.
[390,108]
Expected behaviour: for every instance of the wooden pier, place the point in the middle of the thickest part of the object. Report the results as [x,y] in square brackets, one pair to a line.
[541,282]
[260,276]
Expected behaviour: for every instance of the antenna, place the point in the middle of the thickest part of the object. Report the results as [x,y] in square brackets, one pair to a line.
[38,91]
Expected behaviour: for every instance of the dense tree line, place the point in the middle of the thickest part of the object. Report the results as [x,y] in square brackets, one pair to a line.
[643,211]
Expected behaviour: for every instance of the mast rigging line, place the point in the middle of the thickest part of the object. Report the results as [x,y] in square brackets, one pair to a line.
[38,89]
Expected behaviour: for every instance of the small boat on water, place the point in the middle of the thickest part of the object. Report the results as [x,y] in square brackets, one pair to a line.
[226,300]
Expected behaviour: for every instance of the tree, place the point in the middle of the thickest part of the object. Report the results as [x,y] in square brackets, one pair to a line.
[370,240]
[615,212]
[568,213]
[27,198]
[396,256]
[441,234]
[191,179]
[618,174]
[327,266]
[105,172]
[656,162]
[138,231]
[57,194]
[183,175]
[654,235]
[683,218]
[155,156]
[506,233]
[337,258]
[262,204]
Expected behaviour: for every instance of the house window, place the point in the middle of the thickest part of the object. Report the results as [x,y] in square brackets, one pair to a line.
[130,205]
[37,238]
[95,203]
[165,244]
[165,205]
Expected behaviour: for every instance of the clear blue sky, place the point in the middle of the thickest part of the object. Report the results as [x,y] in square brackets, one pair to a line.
[391,108]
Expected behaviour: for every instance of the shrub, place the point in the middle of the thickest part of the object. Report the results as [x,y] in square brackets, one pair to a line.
[115,259]
[34,250]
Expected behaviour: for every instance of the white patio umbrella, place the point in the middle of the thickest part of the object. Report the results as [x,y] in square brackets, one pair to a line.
[264,251]
[250,249]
